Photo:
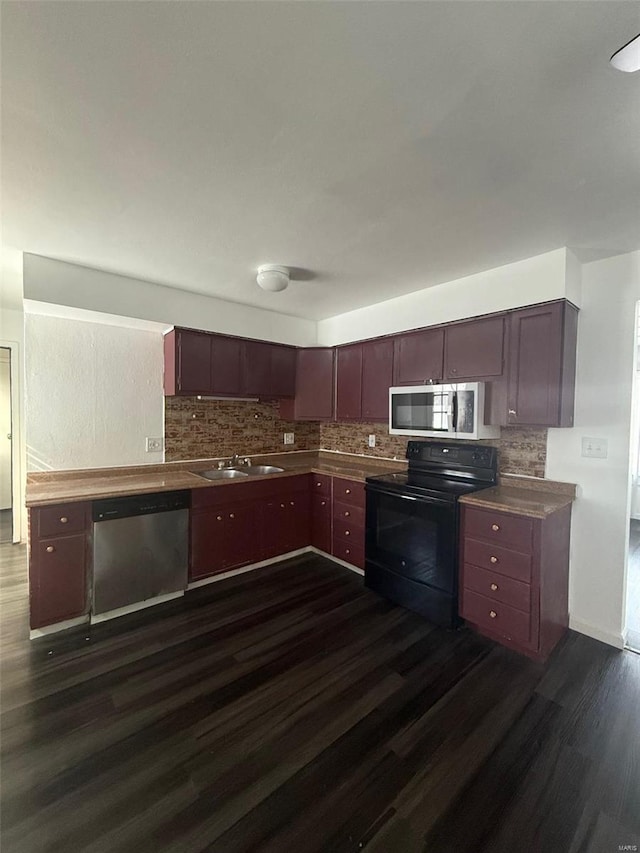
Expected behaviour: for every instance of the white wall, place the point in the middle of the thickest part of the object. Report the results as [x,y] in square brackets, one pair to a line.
[59,283]
[537,279]
[12,336]
[605,367]
[94,392]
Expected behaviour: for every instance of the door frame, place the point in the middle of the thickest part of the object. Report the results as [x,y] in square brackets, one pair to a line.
[17,503]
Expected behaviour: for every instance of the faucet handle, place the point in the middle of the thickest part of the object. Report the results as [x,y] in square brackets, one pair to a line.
[247,460]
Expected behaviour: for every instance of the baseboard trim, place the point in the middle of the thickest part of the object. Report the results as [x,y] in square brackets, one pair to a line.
[608,637]
[35,633]
[243,569]
[337,560]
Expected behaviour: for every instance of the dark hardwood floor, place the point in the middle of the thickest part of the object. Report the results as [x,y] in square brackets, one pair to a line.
[293,710]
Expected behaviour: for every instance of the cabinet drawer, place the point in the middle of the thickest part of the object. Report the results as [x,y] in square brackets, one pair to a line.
[350,552]
[498,587]
[510,531]
[353,515]
[348,491]
[61,519]
[344,529]
[513,564]
[496,617]
[321,485]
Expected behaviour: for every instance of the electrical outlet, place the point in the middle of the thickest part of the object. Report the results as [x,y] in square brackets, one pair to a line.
[372,440]
[289,438]
[154,445]
[595,448]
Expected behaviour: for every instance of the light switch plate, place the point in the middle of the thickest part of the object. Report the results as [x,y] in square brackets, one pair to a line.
[372,440]
[289,438]
[595,448]
[154,445]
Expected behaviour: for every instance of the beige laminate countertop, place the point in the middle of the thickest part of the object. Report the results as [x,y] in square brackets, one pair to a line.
[535,503]
[53,487]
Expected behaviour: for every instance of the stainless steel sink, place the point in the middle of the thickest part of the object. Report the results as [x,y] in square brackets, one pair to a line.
[260,469]
[221,474]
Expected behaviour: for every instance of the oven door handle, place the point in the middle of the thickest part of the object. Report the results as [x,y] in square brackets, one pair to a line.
[423,500]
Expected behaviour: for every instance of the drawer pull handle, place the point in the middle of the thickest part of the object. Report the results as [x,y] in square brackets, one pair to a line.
[494,587]
[218,518]
[495,527]
[231,515]
[281,506]
[50,549]
[347,551]
[347,514]
[347,491]
[323,503]
[493,559]
[64,519]
[293,503]
[493,614]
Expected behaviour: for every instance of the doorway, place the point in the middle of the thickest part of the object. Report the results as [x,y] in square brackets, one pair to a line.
[6,479]
[633,566]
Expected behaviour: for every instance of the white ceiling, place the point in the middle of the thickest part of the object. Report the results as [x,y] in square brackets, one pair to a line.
[382,146]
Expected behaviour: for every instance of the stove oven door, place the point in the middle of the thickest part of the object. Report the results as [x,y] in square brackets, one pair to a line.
[411,553]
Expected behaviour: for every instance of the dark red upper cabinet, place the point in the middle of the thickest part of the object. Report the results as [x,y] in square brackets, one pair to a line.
[315,377]
[226,365]
[418,357]
[349,382]
[269,369]
[542,365]
[377,378]
[187,362]
[474,350]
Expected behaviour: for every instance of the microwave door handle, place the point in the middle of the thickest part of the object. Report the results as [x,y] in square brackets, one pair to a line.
[454,412]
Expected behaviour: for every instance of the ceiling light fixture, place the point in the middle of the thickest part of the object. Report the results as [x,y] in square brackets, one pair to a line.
[273,278]
[628,57]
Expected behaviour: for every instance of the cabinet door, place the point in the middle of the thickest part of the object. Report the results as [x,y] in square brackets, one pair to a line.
[377,376]
[418,357]
[542,365]
[314,384]
[224,538]
[349,382]
[194,362]
[321,522]
[474,350]
[257,368]
[226,365]
[283,371]
[57,579]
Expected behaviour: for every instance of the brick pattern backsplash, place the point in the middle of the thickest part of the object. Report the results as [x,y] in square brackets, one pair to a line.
[203,429]
[522,450]
[224,427]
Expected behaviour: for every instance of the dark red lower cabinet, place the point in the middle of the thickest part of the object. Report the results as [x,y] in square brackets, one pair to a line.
[321,522]
[58,579]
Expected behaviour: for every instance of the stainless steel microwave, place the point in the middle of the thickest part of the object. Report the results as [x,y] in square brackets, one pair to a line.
[448,411]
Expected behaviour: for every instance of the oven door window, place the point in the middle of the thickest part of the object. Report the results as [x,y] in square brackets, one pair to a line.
[422,411]
[414,538]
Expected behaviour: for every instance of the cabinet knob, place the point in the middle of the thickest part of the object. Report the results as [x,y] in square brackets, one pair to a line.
[231,515]
[292,503]
[493,559]
[454,369]
[218,518]
[318,484]
[323,503]
[347,513]
[63,519]
[494,587]
[281,506]
[50,549]
[512,412]
[493,614]
[347,491]
[347,551]
[347,533]
[495,527]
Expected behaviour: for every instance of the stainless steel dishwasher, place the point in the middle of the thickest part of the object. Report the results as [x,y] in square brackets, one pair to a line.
[140,548]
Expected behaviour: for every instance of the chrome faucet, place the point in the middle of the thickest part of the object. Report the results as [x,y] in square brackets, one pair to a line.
[235,460]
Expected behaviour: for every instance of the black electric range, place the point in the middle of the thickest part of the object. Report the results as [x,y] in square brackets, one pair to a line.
[412,525]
